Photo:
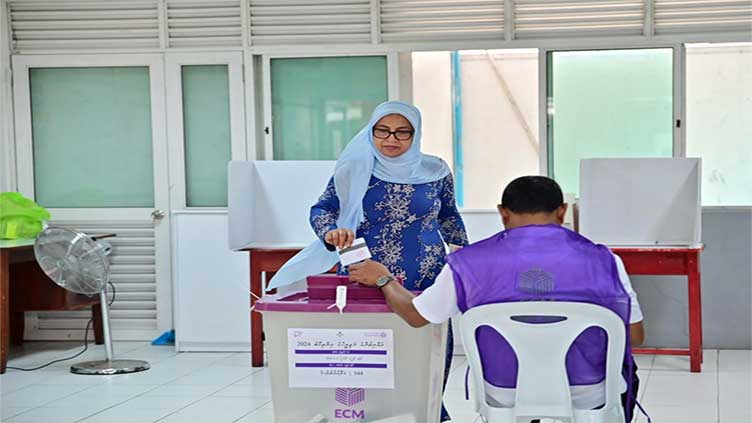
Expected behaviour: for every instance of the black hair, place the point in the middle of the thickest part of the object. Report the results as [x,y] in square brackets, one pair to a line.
[532,194]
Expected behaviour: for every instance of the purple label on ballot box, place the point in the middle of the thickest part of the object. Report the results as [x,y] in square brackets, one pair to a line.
[332,358]
[349,397]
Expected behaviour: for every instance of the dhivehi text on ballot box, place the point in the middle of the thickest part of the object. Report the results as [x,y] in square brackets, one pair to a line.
[361,365]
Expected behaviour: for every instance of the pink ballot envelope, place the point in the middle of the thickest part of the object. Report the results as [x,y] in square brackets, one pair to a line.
[355,253]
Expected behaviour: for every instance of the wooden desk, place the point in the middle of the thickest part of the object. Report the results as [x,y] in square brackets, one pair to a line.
[672,262]
[25,287]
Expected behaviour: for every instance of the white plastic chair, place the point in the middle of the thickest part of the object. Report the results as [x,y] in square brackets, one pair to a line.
[541,348]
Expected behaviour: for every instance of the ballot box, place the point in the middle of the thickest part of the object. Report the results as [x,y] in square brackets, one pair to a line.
[363,364]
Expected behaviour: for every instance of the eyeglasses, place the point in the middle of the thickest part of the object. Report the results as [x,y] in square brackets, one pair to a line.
[399,135]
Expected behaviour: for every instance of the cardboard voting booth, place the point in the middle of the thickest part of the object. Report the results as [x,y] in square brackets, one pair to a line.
[364,364]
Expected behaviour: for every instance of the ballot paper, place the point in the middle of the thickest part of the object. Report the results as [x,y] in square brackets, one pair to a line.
[355,253]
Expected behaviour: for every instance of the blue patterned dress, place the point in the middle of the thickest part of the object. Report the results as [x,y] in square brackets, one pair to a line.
[406,228]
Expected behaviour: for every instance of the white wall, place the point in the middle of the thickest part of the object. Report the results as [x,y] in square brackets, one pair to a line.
[719,113]
[7,156]
[432,93]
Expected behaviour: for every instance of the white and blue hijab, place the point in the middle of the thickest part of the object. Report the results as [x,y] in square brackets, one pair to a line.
[358,162]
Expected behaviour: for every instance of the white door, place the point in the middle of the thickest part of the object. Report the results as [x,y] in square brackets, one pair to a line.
[92,147]
[206,128]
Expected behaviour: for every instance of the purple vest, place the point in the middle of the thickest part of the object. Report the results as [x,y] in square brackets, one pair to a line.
[540,263]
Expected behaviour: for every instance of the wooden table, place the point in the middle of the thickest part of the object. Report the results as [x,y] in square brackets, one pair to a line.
[672,262]
[25,287]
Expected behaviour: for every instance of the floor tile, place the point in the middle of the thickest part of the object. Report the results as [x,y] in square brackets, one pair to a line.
[707,413]
[65,414]
[216,410]
[39,395]
[6,412]
[681,363]
[644,361]
[735,360]
[670,388]
[222,387]
[735,396]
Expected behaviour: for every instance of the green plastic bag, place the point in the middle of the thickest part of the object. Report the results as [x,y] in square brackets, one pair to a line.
[20,217]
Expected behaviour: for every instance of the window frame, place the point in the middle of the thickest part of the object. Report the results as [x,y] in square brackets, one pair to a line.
[679,106]
[266,145]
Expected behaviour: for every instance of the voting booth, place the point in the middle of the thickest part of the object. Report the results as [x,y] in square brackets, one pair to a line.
[641,201]
[364,364]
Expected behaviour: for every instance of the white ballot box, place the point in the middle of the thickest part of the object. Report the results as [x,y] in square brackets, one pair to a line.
[363,364]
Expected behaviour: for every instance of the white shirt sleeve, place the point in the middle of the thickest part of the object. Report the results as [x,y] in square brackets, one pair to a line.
[636,314]
[438,303]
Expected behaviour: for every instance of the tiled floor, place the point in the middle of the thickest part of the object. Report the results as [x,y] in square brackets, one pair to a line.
[222,387]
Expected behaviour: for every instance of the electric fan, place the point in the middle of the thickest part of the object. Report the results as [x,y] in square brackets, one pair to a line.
[79,264]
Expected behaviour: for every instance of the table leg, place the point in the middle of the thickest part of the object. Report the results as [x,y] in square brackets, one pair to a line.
[695,316]
[4,308]
[17,326]
[257,341]
[699,309]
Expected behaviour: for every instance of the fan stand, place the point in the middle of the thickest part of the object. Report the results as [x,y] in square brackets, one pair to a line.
[108,366]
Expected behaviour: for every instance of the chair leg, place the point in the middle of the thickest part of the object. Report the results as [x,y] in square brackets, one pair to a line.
[96,315]
[17,326]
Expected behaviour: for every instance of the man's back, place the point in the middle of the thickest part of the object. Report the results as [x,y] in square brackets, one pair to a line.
[540,263]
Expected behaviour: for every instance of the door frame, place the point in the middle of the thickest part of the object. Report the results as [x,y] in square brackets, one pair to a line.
[25,162]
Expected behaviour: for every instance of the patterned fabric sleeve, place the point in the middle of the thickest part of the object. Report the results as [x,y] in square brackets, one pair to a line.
[452,227]
[325,212]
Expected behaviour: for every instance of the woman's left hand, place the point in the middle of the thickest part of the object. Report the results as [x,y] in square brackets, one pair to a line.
[367,272]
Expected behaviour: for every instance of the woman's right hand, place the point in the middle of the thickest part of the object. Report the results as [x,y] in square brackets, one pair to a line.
[340,238]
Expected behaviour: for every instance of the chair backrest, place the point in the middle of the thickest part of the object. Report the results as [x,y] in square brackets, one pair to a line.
[541,349]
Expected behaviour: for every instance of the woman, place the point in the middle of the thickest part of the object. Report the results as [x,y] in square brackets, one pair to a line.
[398,199]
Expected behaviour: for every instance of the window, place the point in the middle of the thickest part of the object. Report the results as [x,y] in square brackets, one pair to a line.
[92,137]
[480,114]
[719,103]
[206,129]
[616,103]
[319,104]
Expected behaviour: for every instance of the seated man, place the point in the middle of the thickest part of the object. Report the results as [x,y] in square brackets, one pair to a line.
[534,259]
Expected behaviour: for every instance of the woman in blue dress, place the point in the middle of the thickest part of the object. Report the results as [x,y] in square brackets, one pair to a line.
[398,199]
[405,226]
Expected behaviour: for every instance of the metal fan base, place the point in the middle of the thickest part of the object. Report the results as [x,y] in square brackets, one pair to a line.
[109,367]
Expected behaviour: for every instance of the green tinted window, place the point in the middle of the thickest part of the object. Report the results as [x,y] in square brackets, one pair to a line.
[206,130]
[318,104]
[608,104]
[92,137]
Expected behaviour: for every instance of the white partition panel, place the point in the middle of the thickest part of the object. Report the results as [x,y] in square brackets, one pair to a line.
[269,201]
[640,202]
